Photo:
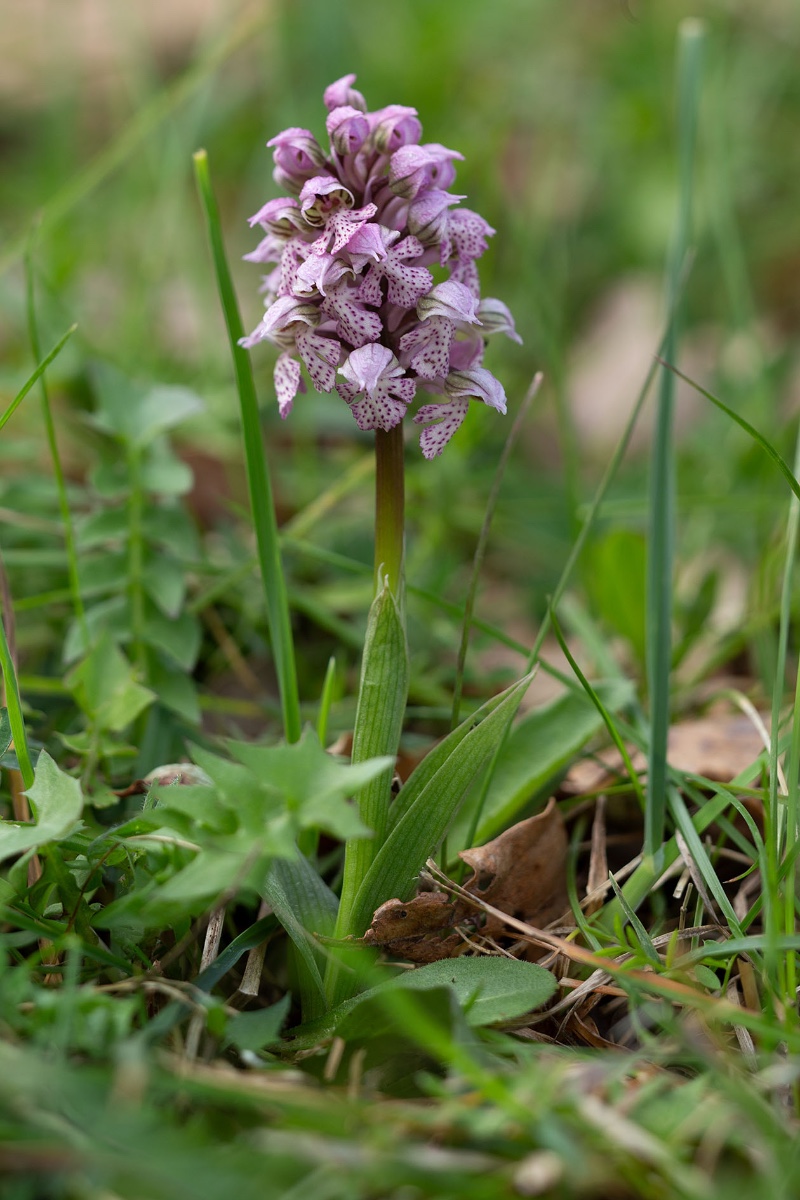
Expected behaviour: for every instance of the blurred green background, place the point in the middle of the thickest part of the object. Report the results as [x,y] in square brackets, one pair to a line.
[564,111]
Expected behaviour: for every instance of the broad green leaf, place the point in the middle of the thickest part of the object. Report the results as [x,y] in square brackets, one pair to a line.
[163,473]
[175,689]
[57,805]
[538,751]
[615,565]
[106,572]
[103,683]
[137,413]
[313,784]
[165,582]
[113,615]
[489,989]
[435,758]
[100,528]
[178,637]
[382,694]
[172,527]
[304,905]
[259,1029]
[418,833]
[197,801]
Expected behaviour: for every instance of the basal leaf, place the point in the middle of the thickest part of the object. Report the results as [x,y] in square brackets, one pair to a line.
[538,751]
[57,803]
[304,905]
[489,989]
[420,830]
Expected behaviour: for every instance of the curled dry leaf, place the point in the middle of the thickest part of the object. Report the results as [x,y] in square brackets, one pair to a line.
[522,872]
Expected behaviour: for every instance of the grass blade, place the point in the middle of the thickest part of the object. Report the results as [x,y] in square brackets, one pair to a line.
[263,509]
[58,469]
[37,374]
[14,706]
[662,482]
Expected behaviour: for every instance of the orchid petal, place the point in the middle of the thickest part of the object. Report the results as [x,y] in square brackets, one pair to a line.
[288,382]
[443,420]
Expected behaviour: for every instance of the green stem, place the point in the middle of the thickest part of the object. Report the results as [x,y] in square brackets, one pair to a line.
[389,508]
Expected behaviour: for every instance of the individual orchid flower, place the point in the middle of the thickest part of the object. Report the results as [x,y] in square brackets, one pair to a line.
[342,92]
[376,387]
[495,317]
[413,169]
[351,286]
[444,419]
[393,127]
[297,157]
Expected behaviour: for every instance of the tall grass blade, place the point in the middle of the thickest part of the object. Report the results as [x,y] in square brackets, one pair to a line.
[608,720]
[757,437]
[37,374]
[14,705]
[58,470]
[264,520]
[781,822]
[662,483]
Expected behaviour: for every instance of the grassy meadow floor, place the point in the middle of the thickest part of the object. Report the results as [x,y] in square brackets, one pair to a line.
[159,1037]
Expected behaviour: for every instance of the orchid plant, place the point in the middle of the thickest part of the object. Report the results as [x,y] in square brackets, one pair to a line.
[374,291]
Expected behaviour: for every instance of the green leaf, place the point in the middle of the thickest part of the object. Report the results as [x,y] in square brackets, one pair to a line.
[304,905]
[708,978]
[113,615]
[615,567]
[104,686]
[175,689]
[165,583]
[57,804]
[137,413]
[100,528]
[418,833]
[257,1030]
[170,526]
[538,751]
[179,637]
[313,784]
[163,473]
[379,721]
[424,772]
[489,989]
[107,572]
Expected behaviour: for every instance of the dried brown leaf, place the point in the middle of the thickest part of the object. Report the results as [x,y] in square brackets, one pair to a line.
[522,872]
